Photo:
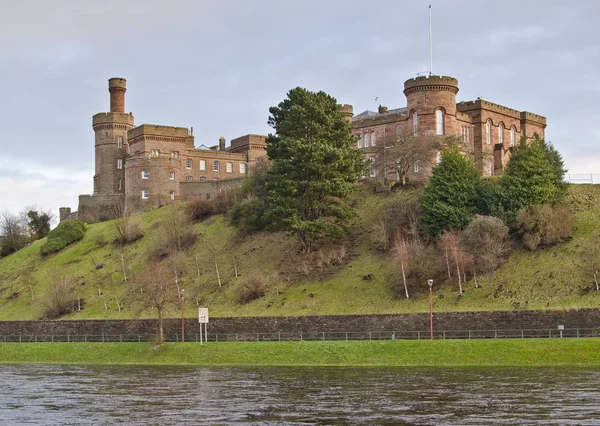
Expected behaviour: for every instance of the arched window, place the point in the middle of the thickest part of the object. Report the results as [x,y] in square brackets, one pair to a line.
[416,163]
[216,165]
[360,141]
[373,138]
[373,172]
[439,122]
[415,123]
[490,167]
[488,132]
[366,137]
[512,136]
[501,134]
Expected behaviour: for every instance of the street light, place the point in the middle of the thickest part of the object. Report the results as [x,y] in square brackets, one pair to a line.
[430,282]
[182,315]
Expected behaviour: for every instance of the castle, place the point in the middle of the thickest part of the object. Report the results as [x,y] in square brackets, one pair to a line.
[148,166]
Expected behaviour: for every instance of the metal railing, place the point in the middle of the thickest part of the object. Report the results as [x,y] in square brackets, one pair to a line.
[582,178]
[314,336]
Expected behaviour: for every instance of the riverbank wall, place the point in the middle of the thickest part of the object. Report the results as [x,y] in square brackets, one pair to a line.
[501,320]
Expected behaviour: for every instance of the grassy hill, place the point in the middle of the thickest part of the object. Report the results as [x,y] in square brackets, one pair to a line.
[353,279]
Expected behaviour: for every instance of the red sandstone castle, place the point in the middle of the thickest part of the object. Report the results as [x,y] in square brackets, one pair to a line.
[148,166]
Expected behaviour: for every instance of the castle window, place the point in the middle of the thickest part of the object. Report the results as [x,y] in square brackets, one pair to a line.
[216,166]
[242,167]
[490,167]
[366,137]
[501,133]
[145,174]
[512,136]
[360,141]
[172,175]
[144,194]
[488,132]
[175,154]
[229,167]
[188,163]
[415,123]
[172,194]
[208,196]
[398,133]
[202,164]
[416,164]
[202,178]
[119,185]
[119,141]
[155,152]
[119,163]
[188,178]
[439,122]
[372,172]
[373,138]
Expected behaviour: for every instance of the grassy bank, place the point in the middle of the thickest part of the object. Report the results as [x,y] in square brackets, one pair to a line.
[447,353]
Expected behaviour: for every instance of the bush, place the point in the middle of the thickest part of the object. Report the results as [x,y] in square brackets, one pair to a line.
[399,217]
[253,288]
[543,224]
[127,230]
[224,200]
[486,239]
[199,209]
[58,300]
[247,215]
[65,233]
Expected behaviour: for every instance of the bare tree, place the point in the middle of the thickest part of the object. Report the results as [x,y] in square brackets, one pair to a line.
[402,255]
[158,295]
[449,242]
[14,232]
[126,229]
[591,258]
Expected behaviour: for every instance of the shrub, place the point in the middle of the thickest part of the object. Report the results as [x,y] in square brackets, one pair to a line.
[127,230]
[543,224]
[253,288]
[199,209]
[225,199]
[399,218]
[247,215]
[65,233]
[58,300]
[486,239]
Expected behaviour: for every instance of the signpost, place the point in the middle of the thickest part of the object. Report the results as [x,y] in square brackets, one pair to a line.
[560,329]
[203,319]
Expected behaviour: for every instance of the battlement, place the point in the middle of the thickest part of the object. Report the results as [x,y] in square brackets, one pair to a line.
[117,83]
[529,116]
[247,140]
[433,82]
[111,118]
[160,131]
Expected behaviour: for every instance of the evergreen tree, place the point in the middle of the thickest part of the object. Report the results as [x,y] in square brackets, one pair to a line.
[315,166]
[534,175]
[451,197]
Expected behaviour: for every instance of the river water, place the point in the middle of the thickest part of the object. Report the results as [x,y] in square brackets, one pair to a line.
[104,395]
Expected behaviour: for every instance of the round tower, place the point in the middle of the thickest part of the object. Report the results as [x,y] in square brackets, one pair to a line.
[111,147]
[348,112]
[117,87]
[428,94]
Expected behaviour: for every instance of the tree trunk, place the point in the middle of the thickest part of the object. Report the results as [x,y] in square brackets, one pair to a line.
[404,279]
[197,266]
[161,337]
[235,267]
[448,263]
[218,275]
[595,280]
[459,282]
[475,279]
[123,265]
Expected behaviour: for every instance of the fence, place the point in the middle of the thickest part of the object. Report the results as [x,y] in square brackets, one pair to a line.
[313,336]
[582,178]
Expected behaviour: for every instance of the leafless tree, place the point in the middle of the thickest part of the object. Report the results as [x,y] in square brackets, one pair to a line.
[14,232]
[158,295]
[402,255]
[450,244]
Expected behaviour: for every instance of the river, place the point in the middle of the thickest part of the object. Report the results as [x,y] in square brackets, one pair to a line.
[103,395]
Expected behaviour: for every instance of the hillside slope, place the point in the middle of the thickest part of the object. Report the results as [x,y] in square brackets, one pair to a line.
[353,279]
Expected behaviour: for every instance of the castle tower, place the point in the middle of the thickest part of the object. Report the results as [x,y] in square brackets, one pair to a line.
[433,99]
[348,112]
[111,143]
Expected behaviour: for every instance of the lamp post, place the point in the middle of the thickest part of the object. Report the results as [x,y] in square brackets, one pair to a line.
[430,282]
[182,316]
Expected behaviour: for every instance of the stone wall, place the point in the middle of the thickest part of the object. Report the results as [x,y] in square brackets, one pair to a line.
[503,320]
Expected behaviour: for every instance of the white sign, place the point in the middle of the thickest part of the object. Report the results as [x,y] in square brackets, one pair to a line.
[203,315]
[561,327]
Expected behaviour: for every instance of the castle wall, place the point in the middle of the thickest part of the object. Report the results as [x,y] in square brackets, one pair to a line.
[206,190]
[97,208]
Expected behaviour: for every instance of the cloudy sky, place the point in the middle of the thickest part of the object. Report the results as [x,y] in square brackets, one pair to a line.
[218,66]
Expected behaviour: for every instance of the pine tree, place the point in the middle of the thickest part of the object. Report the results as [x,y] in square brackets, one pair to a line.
[315,166]
[451,197]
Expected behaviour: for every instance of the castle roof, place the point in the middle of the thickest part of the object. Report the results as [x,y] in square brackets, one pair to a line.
[374,114]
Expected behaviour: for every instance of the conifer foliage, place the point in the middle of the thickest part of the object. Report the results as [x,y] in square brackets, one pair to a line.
[315,166]
[451,197]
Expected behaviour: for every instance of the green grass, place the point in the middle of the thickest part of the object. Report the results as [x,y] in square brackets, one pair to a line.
[552,278]
[447,353]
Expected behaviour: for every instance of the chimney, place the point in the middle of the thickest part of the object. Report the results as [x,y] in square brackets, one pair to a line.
[383,109]
[221,143]
[117,87]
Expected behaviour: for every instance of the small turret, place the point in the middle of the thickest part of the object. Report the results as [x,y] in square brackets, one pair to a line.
[117,87]
[348,112]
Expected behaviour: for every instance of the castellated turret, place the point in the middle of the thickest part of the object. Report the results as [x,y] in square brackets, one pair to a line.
[433,99]
[110,130]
